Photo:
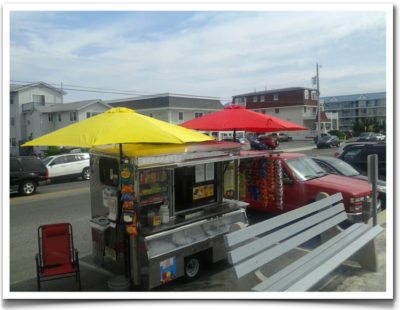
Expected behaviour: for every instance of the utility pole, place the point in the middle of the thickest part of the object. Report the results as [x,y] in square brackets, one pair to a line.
[62,96]
[319,108]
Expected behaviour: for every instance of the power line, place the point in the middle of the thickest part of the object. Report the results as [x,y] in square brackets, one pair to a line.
[100,90]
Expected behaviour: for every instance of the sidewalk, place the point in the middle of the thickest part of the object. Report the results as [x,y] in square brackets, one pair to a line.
[219,278]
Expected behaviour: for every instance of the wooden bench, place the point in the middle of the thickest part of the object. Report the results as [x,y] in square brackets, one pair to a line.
[253,247]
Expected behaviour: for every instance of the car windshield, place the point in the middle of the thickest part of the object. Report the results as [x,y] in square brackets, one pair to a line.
[47,160]
[344,168]
[305,168]
[365,134]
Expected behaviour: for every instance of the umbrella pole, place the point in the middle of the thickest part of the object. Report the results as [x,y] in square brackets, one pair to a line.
[126,236]
[234,135]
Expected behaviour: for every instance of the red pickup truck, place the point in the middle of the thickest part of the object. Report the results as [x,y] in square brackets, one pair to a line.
[303,179]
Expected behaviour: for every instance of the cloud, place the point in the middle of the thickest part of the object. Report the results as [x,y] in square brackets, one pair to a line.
[202,53]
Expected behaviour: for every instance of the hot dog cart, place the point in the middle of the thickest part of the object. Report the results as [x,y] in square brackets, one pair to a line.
[159,211]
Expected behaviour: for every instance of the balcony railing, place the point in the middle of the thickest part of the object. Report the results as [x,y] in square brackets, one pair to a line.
[309,115]
[30,106]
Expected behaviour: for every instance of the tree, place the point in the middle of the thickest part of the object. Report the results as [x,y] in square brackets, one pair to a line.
[366,125]
[53,150]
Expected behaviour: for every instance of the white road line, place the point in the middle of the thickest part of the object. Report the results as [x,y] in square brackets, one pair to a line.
[38,197]
[305,148]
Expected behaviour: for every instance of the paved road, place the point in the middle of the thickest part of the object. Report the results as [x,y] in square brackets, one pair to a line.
[66,202]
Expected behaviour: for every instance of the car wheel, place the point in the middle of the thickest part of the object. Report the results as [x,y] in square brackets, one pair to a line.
[27,187]
[192,267]
[86,174]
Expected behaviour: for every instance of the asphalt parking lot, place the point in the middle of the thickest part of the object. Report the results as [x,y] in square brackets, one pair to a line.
[217,277]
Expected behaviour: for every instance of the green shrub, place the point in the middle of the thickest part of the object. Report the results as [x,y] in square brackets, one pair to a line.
[53,150]
[340,134]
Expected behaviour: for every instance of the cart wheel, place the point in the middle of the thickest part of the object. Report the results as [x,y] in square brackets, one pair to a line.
[192,267]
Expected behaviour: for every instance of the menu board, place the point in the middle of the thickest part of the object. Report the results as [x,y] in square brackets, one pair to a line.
[204,172]
[200,173]
[210,172]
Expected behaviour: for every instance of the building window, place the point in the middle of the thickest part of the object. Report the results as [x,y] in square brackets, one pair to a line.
[276,97]
[59,117]
[180,116]
[12,121]
[28,121]
[305,109]
[40,99]
[313,95]
[276,111]
[72,116]
[13,141]
[50,117]
[90,114]
[262,98]
[198,114]
[306,94]
[255,99]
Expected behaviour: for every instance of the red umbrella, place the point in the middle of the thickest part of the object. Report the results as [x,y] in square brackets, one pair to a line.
[236,117]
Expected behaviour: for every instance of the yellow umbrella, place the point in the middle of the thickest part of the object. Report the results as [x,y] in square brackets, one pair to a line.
[118,126]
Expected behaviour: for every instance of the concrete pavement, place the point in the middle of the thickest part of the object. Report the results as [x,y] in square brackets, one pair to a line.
[349,277]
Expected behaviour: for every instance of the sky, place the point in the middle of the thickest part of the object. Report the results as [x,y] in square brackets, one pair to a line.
[203,53]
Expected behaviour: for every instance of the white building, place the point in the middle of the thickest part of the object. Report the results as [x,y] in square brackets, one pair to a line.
[37,109]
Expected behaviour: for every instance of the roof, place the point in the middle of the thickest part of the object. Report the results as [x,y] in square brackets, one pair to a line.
[168,100]
[355,97]
[322,117]
[18,87]
[72,106]
[274,91]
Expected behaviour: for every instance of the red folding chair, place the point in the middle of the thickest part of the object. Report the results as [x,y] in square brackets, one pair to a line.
[57,257]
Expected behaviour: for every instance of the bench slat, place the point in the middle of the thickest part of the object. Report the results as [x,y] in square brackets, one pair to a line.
[318,273]
[267,256]
[258,245]
[303,266]
[237,237]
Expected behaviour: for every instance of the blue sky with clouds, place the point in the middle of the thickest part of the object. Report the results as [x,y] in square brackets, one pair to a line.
[206,53]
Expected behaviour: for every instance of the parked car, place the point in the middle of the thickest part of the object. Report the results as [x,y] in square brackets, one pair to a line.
[282,137]
[256,144]
[328,141]
[68,166]
[304,179]
[366,137]
[344,146]
[356,156]
[270,142]
[26,174]
[322,136]
[380,137]
[337,166]
[244,143]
